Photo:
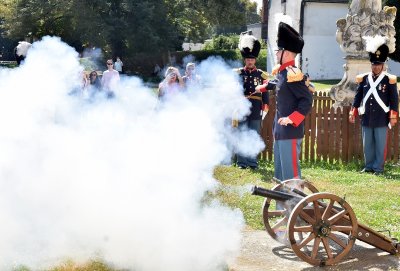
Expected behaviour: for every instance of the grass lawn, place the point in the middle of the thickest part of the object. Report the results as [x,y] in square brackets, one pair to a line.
[324,85]
[374,199]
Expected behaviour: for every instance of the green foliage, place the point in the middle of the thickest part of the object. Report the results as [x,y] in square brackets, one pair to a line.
[222,42]
[226,42]
[204,54]
[123,27]
[9,65]
[88,64]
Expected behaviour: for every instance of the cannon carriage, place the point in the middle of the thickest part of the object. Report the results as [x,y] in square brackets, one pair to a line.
[321,228]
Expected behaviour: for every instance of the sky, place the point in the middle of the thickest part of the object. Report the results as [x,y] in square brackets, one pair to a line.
[259,3]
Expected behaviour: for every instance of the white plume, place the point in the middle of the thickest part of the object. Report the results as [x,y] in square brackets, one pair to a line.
[373,43]
[23,47]
[246,41]
[280,17]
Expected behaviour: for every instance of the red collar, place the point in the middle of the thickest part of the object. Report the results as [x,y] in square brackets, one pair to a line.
[285,65]
[252,70]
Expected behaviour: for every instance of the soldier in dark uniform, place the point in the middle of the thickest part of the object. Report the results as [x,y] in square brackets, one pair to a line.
[377,103]
[251,78]
[293,103]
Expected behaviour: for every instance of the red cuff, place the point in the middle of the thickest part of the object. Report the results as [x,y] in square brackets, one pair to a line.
[263,87]
[296,117]
[354,111]
[265,107]
[393,114]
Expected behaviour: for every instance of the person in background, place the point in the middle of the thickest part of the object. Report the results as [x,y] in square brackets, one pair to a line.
[293,103]
[84,82]
[118,65]
[377,102]
[172,84]
[94,81]
[251,78]
[110,79]
[191,79]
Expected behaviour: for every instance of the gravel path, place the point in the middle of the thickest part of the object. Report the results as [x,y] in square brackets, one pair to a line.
[261,253]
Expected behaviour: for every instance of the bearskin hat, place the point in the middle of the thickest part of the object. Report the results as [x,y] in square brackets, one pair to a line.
[289,39]
[377,49]
[249,46]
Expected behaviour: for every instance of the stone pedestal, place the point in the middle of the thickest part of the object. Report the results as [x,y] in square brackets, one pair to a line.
[365,19]
[343,93]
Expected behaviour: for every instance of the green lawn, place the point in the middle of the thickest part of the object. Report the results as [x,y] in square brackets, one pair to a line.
[324,85]
[374,199]
[70,265]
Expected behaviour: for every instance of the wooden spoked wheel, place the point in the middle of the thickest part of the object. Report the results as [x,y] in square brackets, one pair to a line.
[327,232]
[275,221]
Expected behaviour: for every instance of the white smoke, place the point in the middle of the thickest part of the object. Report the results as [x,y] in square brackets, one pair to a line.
[121,179]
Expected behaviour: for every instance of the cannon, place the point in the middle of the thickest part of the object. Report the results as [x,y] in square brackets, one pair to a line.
[321,228]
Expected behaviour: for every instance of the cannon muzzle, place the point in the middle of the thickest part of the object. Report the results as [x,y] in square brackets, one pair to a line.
[276,195]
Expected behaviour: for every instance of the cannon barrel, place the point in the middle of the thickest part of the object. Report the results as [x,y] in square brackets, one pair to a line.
[276,195]
[288,188]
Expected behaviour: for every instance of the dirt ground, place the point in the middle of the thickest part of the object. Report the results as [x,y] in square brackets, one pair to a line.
[260,252]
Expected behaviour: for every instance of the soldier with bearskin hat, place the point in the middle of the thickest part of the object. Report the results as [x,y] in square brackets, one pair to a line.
[377,102]
[293,102]
[21,51]
[251,78]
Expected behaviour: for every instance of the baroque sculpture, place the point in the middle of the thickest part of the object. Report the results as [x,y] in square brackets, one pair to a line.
[365,18]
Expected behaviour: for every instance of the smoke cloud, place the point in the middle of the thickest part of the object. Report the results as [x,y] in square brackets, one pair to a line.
[122,179]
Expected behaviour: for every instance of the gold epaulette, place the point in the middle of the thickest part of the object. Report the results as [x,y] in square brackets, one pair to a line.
[294,74]
[392,78]
[360,77]
[275,69]
[264,75]
[238,71]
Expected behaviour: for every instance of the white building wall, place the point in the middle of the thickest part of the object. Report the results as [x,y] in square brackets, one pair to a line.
[394,67]
[292,9]
[256,29]
[322,57]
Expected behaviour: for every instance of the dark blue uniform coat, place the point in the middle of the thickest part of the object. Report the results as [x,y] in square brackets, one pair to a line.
[293,100]
[251,79]
[374,115]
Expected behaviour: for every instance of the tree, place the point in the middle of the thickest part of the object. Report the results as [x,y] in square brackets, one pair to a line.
[126,27]
[6,44]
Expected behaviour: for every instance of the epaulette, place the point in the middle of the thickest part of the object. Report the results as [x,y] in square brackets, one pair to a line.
[238,70]
[294,74]
[360,77]
[392,78]
[275,69]
[264,75]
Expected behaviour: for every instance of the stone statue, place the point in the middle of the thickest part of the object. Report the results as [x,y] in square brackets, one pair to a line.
[373,5]
[365,18]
